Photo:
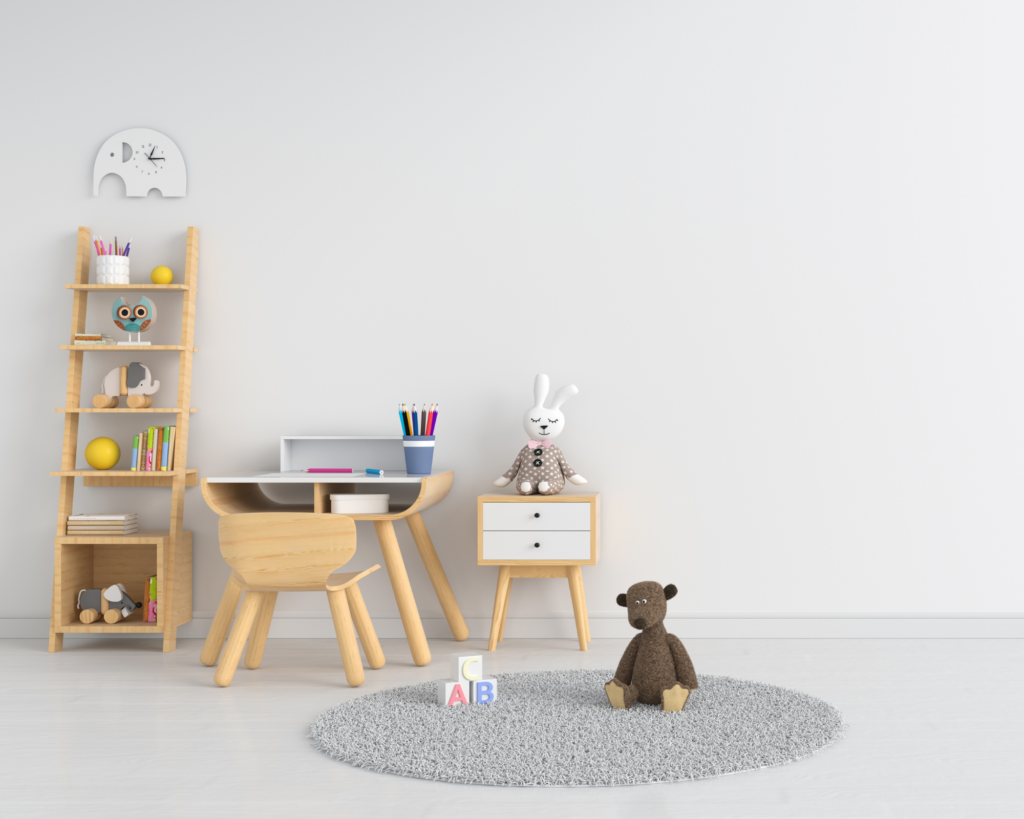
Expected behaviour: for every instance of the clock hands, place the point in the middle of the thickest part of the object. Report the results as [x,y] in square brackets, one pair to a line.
[154,159]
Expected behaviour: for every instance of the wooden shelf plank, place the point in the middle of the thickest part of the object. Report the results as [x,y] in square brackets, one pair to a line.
[124,627]
[119,473]
[174,410]
[145,537]
[109,348]
[137,287]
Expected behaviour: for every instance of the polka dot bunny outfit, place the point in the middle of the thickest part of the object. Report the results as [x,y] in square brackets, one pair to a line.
[538,464]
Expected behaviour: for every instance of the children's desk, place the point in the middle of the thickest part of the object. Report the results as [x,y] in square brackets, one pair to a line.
[241,493]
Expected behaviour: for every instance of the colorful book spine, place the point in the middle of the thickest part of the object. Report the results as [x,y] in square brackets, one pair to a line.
[158,447]
[166,449]
[145,601]
[170,455]
[151,609]
[149,450]
[135,452]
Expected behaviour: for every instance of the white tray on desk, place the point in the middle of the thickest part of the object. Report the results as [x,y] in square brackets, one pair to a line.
[389,476]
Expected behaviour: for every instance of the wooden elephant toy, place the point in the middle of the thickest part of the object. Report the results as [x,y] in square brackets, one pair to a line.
[96,603]
[134,381]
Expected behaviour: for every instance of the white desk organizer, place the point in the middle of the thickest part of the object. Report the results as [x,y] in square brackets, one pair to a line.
[300,452]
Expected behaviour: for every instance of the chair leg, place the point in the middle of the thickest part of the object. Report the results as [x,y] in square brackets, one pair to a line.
[258,641]
[221,622]
[236,642]
[504,613]
[346,637]
[364,627]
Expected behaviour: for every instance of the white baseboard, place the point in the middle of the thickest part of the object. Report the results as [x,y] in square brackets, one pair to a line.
[716,625]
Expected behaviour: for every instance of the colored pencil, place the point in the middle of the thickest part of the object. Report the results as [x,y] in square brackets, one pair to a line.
[415,421]
[326,470]
[375,472]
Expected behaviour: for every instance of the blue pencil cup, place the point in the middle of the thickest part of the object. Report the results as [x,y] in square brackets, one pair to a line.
[419,453]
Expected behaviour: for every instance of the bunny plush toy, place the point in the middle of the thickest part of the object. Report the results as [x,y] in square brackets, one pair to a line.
[540,466]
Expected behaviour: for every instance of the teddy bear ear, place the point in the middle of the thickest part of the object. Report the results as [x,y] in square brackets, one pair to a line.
[621,600]
[670,591]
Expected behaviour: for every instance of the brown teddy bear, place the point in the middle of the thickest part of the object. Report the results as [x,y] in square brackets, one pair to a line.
[655,669]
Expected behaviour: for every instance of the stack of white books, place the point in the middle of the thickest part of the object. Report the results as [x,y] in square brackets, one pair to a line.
[126,524]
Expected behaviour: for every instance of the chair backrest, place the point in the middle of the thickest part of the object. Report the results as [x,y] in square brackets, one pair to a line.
[286,551]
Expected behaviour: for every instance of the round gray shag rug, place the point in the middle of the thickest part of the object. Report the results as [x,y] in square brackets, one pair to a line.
[556,728]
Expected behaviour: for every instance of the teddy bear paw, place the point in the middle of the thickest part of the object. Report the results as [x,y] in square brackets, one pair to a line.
[616,694]
[525,488]
[543,487]
[674,698]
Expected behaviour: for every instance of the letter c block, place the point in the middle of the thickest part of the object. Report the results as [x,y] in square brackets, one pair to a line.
[467,667]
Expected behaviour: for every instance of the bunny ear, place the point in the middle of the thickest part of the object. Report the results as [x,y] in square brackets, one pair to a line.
[541,385]
[563,395]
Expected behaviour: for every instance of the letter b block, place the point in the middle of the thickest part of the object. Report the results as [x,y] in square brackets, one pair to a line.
[484,692]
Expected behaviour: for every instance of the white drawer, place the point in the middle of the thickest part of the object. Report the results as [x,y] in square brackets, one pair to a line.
[531,517]
[522,545]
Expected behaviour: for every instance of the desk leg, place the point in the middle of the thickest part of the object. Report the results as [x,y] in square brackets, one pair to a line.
[403,592]
[575,577]
[437,577]
[500,595]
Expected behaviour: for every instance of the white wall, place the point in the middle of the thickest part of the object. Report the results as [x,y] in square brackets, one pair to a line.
[777,247]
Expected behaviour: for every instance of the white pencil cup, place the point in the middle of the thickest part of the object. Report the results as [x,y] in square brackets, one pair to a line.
[112,270]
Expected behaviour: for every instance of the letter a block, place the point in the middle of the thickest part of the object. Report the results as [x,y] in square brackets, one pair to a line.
[452,693]
[466,668]
[484,692]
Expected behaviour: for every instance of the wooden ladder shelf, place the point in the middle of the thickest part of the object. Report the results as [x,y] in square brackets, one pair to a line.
[82,562]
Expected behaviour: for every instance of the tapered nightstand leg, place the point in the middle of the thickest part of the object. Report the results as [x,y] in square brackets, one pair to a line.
[586,614]
[575,578]
[504,611]
[500,595]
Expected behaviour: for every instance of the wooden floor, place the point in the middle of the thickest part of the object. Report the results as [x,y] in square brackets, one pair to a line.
[114,727]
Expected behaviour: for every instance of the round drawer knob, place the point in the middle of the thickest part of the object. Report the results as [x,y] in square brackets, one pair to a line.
[536,514]
[536,545]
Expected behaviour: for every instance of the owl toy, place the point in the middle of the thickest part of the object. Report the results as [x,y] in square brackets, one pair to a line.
[137,319]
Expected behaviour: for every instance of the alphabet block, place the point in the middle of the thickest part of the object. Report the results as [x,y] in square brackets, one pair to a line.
[484,692]
[466,668]
[451,693]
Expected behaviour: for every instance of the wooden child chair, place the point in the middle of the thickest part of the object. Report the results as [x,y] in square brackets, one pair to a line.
[288,551]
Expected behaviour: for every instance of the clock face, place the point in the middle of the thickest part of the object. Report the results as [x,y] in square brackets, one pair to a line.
[149,159]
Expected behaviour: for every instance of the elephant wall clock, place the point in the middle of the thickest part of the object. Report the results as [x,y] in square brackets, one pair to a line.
[144,159]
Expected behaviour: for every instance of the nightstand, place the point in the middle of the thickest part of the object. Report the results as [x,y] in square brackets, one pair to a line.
[539,536]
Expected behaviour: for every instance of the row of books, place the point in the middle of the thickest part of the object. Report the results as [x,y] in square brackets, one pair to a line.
[149,600]
[153,450]
[93,338]
[116,524]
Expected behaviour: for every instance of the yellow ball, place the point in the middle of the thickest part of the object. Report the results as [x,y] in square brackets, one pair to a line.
[102,453]
[161,275]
